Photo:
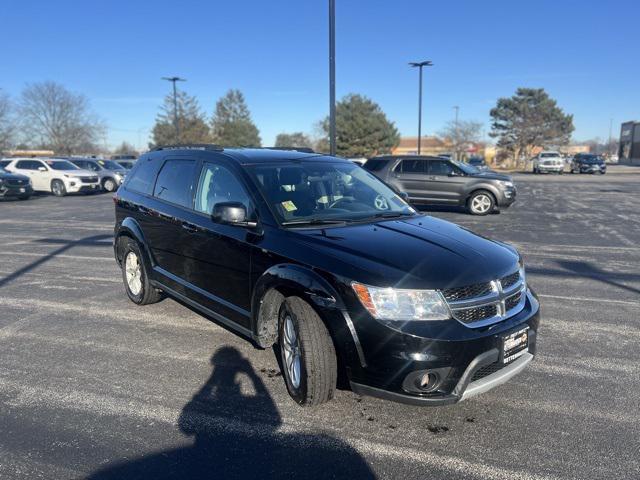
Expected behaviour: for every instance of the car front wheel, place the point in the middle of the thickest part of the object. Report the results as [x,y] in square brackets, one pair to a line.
[109,185]
[307,353]
[58,188]
[481,203]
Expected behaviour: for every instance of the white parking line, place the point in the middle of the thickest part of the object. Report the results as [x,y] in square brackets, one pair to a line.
[593,299]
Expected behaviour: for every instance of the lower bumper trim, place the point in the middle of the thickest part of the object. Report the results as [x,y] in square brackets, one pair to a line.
[367,390]
[498,378]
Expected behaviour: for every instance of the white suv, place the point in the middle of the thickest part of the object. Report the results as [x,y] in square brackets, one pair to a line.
[548,162]
[54,175]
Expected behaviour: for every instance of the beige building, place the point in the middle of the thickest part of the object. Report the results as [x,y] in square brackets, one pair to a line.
[428,146]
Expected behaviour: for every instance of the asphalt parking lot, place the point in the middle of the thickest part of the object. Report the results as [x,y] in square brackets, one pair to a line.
[93,386]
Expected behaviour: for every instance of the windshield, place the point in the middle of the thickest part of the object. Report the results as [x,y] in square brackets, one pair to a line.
[590,159]
[61,165]
[319,192]
[110,165]
[549,155]
[465,167]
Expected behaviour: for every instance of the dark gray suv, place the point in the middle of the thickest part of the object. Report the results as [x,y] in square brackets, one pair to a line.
[440,181]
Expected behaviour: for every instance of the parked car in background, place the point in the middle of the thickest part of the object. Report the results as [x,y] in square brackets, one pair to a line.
[59,177]
[126,161]
[111,173]
[547,162]
[13,185]
[439,181]
[314,254]
[479,163]
[588,163]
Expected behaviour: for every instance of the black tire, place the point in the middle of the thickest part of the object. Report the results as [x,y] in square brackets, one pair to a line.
[109,185]
[147,294]
[318,370]
[476,196]
[58,188]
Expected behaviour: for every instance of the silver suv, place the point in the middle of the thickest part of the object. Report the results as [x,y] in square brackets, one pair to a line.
[111,173]
[57,176]
[440,181]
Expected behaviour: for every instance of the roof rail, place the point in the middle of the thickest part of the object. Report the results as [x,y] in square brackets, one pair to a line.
[294,149]
[190,146]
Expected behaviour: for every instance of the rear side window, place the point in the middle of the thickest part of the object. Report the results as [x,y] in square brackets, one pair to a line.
[412,166]
[141,179]
[175,182]
[375,164]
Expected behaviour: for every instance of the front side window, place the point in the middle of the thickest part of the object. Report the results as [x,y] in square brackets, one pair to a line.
[318,191]
[440,167]
[28,165]
[217,184]
[175,182]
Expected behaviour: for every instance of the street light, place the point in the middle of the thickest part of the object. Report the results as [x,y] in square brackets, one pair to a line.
[332,77]
[426,63]
[457,132]
[175,103]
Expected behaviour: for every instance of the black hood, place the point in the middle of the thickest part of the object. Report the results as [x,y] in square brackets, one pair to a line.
[420,252]
[4,175]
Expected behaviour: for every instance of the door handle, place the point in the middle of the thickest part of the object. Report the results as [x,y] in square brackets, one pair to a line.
[189,227]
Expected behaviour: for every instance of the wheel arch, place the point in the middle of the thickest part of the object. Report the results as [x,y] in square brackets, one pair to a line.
[130,228]
[284,280]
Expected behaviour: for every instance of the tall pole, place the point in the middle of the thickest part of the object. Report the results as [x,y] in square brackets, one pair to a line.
[610,129]
[175,103]
[426,63]
[332,77]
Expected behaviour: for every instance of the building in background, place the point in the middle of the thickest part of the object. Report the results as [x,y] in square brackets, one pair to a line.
[428,146]
[629,149]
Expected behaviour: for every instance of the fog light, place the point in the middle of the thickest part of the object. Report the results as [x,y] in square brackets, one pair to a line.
[423,381]
[73,184]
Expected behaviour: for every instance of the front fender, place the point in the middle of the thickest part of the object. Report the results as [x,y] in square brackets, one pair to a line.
[292,279]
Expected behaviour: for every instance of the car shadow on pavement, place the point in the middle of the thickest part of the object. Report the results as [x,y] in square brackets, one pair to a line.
[238,432]
[93,241]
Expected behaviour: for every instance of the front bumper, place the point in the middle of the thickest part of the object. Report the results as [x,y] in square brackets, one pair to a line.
[466,359]
[550,168]
[593,169]
[76,186]
[506,197]
[15,191]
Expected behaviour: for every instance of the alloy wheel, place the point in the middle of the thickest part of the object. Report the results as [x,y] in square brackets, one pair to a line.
[481,203]
[291,347]
[133,271]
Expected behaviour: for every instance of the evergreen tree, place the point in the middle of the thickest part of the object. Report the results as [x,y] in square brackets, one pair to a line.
[191,120]
[231,124]
[292,140]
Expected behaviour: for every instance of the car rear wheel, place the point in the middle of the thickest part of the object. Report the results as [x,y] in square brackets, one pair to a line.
[58,188]
[307,353]
[109,184]
[481,203]
[134,274]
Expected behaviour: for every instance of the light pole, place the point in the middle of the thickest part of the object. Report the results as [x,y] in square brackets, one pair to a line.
[332,77]
[610,130]
[175,103]
[426,63]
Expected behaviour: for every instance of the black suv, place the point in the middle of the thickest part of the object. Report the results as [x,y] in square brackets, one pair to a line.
[314,254]
[14,185]
[588,163]
[440,181]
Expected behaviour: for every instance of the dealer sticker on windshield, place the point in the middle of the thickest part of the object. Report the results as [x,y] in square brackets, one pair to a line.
[515,345]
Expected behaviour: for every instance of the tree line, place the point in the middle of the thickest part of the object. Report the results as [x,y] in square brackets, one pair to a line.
[47,115]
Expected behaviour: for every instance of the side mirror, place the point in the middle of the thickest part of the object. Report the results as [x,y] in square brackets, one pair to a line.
[453,173]
[404,196]
[231,213]
[42,169]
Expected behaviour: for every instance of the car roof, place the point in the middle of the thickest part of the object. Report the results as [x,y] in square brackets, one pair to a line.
[409,157]
[247,156]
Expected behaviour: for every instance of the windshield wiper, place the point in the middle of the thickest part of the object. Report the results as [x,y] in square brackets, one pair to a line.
[315,221]
[386,215]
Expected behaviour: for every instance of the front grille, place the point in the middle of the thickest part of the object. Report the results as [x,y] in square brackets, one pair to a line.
[89,179]
[469,291]
[476,314]
[512,301]
[16,182]
[486,371]
[510,280]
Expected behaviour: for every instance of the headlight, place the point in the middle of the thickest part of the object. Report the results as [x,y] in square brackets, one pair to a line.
[506,184]
[399,304]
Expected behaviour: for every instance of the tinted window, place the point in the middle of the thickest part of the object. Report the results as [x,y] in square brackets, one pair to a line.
[28,165]
[61,165]
[175,182]
[4,163]
[375,164]
[413,166]
[218,184]
[440,167]
[141,179]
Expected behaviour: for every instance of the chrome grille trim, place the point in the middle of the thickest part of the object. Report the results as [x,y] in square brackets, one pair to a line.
[513,296]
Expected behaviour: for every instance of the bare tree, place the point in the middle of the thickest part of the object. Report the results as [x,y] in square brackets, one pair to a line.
[58,119]
[6,122]
[461,134]
[125,148]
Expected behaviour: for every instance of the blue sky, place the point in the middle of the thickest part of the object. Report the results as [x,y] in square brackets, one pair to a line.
[584,53]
